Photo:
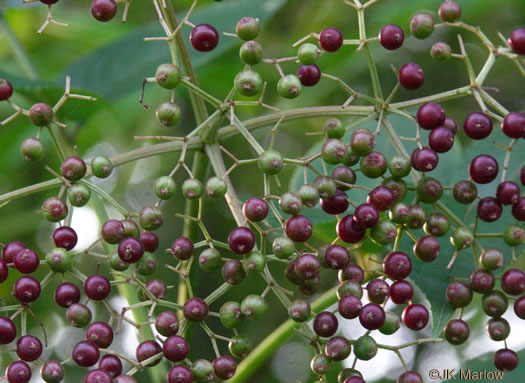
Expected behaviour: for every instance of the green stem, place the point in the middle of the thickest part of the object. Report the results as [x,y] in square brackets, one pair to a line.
[57,145]
[370,59]
[18,50]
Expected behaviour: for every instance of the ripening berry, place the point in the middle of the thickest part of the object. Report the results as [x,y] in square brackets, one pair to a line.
[41,114]
[168,76]
[6,89]
[289,86]
[78,315]
[248,82]
[251,52]
[32,149]
[101,166]
[441,51]
[247,28]
[449,11]
[422,25]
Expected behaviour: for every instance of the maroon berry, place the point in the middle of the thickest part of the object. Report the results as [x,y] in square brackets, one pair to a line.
[325,324]
[18,372]
[224,367]
[505,359]
[348,230]
[517,41]
[7,330]
[195,310]
[378,291]
[98,376]
[52,371]
[175,348]
[410,377]
[331,39]
[424,160]
[308,266]
[149,241]
[430,115]
[411,76]
[130,250]
[255,209]
[167,323]
[366,215]
[519,307]
[26,261]
[4,270]
[124,379]
[233,272]
[477,126]
[508,193]
[514,125]
[146,350]
[78,315]
[180,374]
[401,292]
[86,354]
[349,306]
[73,168]
[110,364]
[352,273]
[415,317]
[426,248]
[518,209]
[97,287]
[66,294]
[309,75]
[6,89]
[113,231]
[241,240]
[336,204]
[65,237]
[465,192]
[483,169]
[11,249]
[441,139]
[298,228]
[391,37]
[27,289]
[513,282]
[489,209]
[28,348]
[182,248]
[451,125]
[397,265]
[382,198]
[372,316]
[449,11]
[482,281]
[204,38]
[103,10]
[456,331]
[338,348]
[100,333]
[458,294]
[336,257]
[157,288]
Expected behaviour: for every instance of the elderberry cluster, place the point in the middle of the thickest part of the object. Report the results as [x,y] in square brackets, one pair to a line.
[275,231]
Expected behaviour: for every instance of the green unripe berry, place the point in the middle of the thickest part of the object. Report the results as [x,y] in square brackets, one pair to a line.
[147,265]
[254,262]
[78,195]
[334,128]
[334,151]
[168,114]
[78,315]
[270,162]
[391,325]
[398,187]
[299,310]
[101,166]
[254,307]
[216,187]
[399,166]
[498,329]
[151,218]
[491,259]
[351,159]
[248,82]
[308,53]
[210,259]
[41,114]
[168,76]
[383,233]
[230,314]
[59,260]
[362,142]
[290,203]
[33,149]
[441,51]
[399,213]
[373,165]
[251,52]
[54,209]
[462,238]
[240,346]
[131,229]
[429,190]
[320,364]
[514,235]
[116,263]
[192,188]
[309,195]
[164,187]
[365,348]
[494,304]
[326,186]
[202,369]
[283,247]
[289,86]
[422,25]
[349,287]
[416,217]
[247,28]
[437,225]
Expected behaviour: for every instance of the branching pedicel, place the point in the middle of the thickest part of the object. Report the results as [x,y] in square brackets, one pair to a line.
[128,246]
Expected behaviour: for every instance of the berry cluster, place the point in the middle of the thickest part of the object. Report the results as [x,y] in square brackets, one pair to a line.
[128,248]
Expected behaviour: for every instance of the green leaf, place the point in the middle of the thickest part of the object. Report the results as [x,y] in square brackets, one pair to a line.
[118,68]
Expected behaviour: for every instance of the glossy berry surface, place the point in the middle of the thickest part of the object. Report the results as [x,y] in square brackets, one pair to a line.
[241,240]
[477,126]
[430,115]
[411,76]
[391,37]
[204,38]
[309,75]
[330,39]
[103,10]
[415,317]
[516,41]
[483,169]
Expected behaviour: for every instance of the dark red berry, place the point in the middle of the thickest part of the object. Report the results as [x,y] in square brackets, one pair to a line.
[424,160]
[518,209]
[456,331]
[378,291]
[336,204]
[97,287]
[103,10]
[489,209]
[519,307]
[325,324]
[113,231]
[366,215]
[52,371]
[195,309]
[514,125]
[26,261]
[204,38]
[18,372]
[233,272]
[66,294]
[241,240]
[397,265]
[351,273]
[336,257]
[411,76]
[308,266]
[458,294]
[110,364]
[441,139]
[516,41]
[182,248]
[410,377]
[391,37]
[130,250]
[180,374]
[373,165]
[483,169]
[298,228]
[477,126]
[401,292]
[6,89]
[482,281]
[465,192]
[382,198]
[167,323]
[4,270]
[255,209]
[100,333]
[349,231]
[11,249]
[505,359]
[372,316]
[124,379]
[175,348]
[309,75]
[146,350]
[98,376]
[430,115]
[426,248]
[338,348]
[7,330]
[149,241]
[415,317]
[65,237]
[224,367]
[28,348]
[157,288]
[508,193]
[27,289]
[349,306]
[73,168]
[86,354]
[451,125]
[494,304]
[331,39]
[513,282]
